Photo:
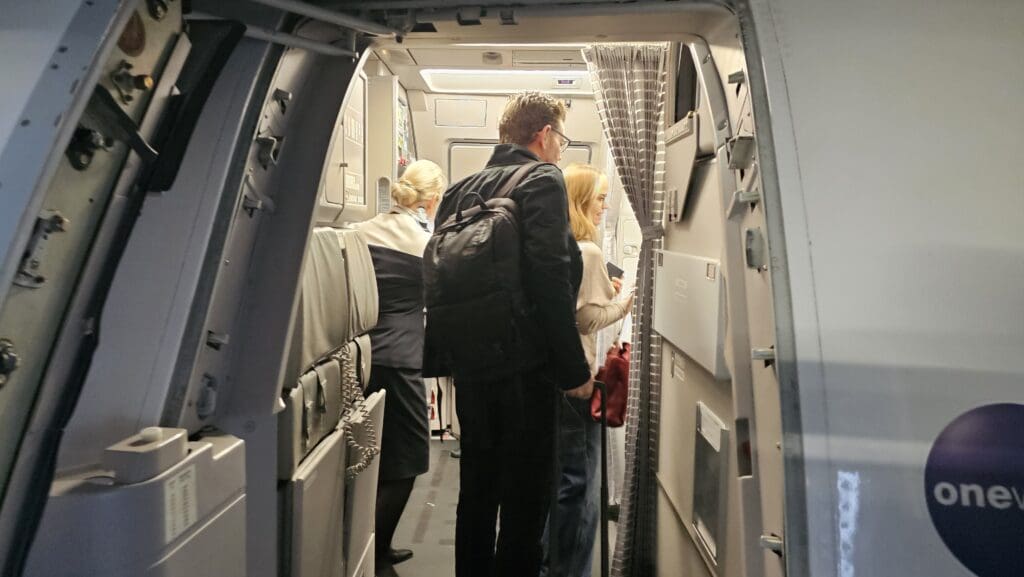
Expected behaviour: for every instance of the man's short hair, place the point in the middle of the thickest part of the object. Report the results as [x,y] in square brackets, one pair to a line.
[526,114]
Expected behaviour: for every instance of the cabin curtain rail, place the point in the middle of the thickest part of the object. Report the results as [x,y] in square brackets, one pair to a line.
[629,90]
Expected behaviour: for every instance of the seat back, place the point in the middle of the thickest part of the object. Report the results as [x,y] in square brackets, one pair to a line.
[338,304]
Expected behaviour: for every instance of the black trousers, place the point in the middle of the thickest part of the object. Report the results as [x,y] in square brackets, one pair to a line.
[507,465]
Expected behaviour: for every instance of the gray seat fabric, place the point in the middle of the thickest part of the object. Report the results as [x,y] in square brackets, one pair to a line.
[327,371]
[338,303]
[363,303]
[339,293]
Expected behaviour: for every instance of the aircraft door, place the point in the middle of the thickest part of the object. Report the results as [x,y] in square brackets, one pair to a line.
[746,214]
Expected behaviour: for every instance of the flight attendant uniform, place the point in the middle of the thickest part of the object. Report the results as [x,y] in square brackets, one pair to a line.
[396,241]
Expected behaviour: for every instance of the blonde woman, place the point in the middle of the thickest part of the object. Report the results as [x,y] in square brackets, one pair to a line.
[397,240]
[580,440]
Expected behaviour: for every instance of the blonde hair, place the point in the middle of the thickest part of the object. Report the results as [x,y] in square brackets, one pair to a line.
[582,182]
[526,114]
[422,181]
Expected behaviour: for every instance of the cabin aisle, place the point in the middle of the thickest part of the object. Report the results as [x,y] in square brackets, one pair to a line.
[428,525]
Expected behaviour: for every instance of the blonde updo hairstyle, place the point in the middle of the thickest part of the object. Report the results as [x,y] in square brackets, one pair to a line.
[582,182]
[422,181]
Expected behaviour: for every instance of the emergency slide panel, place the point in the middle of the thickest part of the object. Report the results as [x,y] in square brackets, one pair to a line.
[690,312]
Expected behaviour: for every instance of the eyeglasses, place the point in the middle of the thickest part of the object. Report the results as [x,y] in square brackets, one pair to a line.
[565,139]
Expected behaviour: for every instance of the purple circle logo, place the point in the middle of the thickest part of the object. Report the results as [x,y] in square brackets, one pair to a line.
[974,483]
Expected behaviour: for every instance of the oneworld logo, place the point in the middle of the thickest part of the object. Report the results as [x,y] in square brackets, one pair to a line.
[974,486]
[973,495]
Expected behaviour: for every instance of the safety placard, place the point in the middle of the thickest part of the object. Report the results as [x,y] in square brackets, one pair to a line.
[180,507]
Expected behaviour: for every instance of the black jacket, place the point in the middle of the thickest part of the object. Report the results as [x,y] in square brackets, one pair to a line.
[551,263]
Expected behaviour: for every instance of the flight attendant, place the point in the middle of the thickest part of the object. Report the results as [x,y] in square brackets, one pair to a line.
[397,240]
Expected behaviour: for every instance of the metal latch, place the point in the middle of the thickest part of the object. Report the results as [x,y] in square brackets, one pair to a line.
[742,199]
[755,249]
[741,152]
[28,273]
[268,150]
[103,111]
[764,354]
[84,145]
[127,83]
[8,360]
[282,97]
[217,341]
[252,200]
[206,403]
[773,543]
[157,9]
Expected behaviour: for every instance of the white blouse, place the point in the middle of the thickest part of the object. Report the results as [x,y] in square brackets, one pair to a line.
[595,308]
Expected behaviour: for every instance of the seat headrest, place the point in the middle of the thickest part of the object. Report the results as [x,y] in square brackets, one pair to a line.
[339,293]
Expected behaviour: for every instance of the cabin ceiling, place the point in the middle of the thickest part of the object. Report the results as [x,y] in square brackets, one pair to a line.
[537,41]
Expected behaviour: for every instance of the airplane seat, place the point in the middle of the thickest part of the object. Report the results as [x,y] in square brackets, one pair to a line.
[323,437]
[338,305]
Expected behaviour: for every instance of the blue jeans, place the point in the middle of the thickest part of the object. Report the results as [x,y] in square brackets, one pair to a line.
[579,490]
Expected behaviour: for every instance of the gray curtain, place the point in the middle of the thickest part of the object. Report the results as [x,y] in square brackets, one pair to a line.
[629,89]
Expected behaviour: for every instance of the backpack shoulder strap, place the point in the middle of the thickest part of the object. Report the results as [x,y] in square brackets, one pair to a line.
[516,178]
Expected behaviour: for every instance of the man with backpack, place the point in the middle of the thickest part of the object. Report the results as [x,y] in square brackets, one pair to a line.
[501,275]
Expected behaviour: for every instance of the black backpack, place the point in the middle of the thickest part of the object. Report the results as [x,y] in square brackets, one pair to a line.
[477,314]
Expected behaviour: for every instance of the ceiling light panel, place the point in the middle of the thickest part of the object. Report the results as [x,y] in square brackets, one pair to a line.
[490,81]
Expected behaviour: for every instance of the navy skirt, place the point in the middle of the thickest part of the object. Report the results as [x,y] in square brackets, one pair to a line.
[405,440]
